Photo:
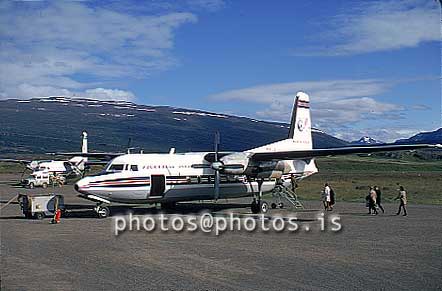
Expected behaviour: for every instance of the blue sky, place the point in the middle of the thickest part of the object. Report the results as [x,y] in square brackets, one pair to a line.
[370,67]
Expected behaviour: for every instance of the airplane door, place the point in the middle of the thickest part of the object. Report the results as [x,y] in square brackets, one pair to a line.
[158,185]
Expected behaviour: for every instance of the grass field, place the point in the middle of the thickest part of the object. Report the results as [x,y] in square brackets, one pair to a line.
[350,177]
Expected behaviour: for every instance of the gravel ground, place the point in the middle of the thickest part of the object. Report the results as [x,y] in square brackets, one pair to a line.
[385,252]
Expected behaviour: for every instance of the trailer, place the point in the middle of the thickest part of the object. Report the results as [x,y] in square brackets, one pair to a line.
[40,206]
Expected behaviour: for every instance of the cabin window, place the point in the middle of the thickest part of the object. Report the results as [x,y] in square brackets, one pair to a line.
[134,168]
[116,168]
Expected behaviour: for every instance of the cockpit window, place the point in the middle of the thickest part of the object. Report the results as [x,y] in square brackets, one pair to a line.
[134,168]
[116,168]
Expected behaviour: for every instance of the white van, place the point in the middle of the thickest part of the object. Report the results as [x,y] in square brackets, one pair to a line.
[43,179]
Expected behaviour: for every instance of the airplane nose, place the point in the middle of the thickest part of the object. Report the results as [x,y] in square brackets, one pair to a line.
[81,183]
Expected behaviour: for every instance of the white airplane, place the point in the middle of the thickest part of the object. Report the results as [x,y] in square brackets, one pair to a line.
[170,178]
[75,165]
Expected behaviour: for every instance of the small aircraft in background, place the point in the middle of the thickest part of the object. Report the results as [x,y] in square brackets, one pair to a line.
[74,166]
[174,177]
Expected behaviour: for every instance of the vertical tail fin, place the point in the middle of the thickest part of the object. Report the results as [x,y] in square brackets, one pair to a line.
[300,125]
[300,133]
[84,143]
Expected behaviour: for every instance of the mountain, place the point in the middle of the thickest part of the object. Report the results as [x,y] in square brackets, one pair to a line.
[53,124]
[366,140]
[434,137]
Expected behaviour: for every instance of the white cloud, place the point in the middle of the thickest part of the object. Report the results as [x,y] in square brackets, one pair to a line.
[97,93]
[57,44]
[322,91]
[339,107]
[210,5]
[109,94]
[379,26]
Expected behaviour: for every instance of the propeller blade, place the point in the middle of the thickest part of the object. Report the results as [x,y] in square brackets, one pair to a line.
[216,185]
[217,142]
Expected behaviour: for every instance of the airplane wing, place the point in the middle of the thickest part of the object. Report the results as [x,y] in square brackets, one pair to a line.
[96,163]
[307,154]
[102,156]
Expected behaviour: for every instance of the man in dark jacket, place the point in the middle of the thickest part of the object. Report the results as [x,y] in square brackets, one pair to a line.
[378,198]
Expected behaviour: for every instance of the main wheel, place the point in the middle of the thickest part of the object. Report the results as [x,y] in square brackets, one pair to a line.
[281,205]
[273,205]
[254,207]
[264,207]
[31,185]
[45,185]
[103,211]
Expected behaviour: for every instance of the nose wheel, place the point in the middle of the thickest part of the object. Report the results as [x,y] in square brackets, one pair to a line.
[102,211]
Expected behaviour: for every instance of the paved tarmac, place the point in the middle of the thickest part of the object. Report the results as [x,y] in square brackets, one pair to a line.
[385,252]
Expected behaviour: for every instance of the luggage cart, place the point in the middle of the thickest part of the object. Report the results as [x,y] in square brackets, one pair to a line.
[39,206]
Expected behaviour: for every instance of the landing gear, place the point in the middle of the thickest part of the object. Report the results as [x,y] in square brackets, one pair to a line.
[254,207]
[257,205]
[264,207]
[102,211]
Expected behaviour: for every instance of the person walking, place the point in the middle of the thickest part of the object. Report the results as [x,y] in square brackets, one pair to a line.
[324,199]
[378,198]
[372,202]
[327,195]
[332,198]
[403,200]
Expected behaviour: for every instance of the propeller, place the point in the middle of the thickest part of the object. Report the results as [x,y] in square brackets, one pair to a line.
[233,163]
[216,166]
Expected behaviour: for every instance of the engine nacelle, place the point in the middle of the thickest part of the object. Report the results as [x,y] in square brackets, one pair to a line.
[235,164]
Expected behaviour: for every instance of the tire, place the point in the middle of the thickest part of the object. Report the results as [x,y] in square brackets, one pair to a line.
[273,205]
[45,185]
[254,207]
[31,185]
[264,207]
[281,205]
[39,215]
[103,212]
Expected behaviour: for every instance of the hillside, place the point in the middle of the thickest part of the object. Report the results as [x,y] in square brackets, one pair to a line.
[424,137]
[53,124]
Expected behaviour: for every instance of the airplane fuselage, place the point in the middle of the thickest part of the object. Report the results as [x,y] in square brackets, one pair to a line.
[151,178]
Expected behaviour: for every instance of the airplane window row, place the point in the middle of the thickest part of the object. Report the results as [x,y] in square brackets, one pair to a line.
[127,167]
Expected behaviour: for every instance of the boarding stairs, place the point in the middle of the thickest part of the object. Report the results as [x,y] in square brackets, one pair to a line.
[281,192]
